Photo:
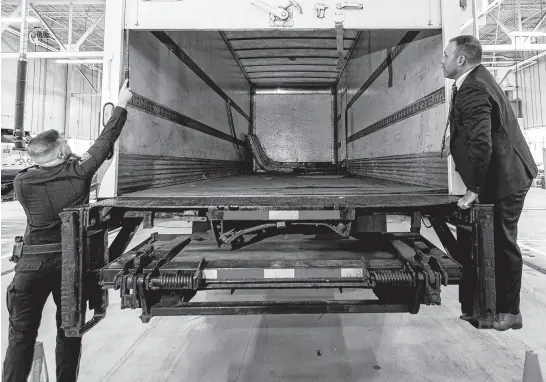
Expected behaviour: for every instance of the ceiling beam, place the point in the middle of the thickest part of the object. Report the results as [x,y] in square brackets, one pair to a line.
[38,43]
[16,12]
[539,23]
[57,2]
[514,48]
[70,25]
[52,49]
[529,60]
[503,27]
[51,55]
[64,28]
[489,8]
[62,47]
[88,31]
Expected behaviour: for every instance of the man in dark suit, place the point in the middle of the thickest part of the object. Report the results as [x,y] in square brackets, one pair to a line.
[494,161]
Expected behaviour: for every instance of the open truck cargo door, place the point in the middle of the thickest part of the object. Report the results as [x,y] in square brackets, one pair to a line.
[287,134]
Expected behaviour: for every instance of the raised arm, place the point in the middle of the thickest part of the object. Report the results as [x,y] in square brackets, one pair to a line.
[91,160]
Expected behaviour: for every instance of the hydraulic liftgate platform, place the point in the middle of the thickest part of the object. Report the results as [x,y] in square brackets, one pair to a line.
[259,249]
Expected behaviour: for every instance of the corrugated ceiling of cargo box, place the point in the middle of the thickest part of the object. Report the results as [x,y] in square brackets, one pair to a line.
[290,58]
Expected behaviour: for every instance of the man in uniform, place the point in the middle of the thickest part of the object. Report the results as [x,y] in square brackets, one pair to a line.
[58,181]
[495,164]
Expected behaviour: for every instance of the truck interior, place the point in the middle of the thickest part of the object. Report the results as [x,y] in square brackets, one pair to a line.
[278,110]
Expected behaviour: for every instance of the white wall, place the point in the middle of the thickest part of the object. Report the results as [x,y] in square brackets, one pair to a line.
[532,92]
[45,103]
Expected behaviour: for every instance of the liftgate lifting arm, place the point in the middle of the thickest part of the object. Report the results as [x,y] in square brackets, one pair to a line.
[148,278]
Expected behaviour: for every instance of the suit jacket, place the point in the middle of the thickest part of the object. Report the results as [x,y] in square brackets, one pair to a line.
[487,145]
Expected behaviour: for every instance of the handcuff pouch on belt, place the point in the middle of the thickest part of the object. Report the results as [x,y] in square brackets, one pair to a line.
[17,250]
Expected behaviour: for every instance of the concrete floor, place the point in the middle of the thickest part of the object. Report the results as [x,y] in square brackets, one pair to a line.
[433,345]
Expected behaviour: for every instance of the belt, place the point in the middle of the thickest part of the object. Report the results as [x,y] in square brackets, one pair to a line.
[42,249]
[20,249]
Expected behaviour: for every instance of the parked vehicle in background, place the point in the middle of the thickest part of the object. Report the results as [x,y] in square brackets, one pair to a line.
[13,161]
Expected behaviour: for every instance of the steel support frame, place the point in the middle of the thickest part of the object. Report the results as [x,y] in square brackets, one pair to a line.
[474,249]
[490,7]
[58,2]
[86,251]
[78,286]
[274,307]
[16,12]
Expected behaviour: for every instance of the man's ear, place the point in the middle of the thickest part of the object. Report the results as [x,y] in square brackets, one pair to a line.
[461,60]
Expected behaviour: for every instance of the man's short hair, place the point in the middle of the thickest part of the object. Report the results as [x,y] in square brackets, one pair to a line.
[44,143]
[468,46]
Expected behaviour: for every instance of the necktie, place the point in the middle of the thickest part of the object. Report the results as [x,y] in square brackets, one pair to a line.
[453,95]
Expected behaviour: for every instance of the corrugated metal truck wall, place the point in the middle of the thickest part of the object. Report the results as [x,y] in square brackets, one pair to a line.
[395,107]
[178,127]
[295,125]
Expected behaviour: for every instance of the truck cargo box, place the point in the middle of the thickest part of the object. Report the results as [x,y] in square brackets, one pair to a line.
[285,137]
[377,116]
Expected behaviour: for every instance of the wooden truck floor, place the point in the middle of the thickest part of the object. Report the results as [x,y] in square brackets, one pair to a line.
[291,191]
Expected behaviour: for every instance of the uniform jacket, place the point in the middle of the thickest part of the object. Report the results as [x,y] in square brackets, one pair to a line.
[487,145]
[44,192]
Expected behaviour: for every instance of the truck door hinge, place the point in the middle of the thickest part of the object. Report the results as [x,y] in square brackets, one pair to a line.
[279,15]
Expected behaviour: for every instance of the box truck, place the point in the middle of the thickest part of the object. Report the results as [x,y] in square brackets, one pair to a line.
[286,133]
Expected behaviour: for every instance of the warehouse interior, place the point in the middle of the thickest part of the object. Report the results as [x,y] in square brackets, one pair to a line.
[64,43]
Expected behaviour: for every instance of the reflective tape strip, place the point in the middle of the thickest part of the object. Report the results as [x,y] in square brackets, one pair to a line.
[314,273]
[279,273]
[351,272]
[210,274]
[284,215]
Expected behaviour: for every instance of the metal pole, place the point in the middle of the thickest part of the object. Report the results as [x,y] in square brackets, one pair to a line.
[544,165]
[475,26]
[21,87]
[520,24]
[70,25]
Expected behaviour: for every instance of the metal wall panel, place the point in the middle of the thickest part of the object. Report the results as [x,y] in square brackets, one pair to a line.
[140,172]
[395,123]
[161,76]
[414,73]
[426,169]
[295,127]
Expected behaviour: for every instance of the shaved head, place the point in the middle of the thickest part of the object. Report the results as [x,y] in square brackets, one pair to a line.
[48,146]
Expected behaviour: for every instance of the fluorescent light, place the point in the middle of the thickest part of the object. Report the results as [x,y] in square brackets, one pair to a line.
[80,61]
[13,20]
